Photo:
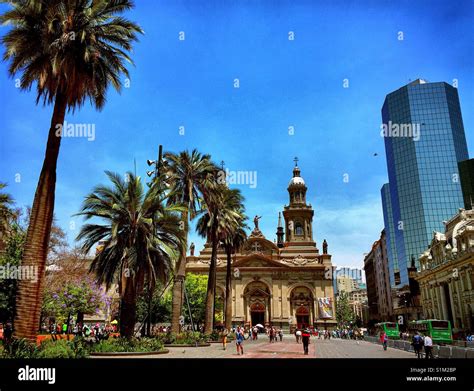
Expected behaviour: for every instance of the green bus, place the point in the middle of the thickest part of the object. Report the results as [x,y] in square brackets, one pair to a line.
[389,328]
[439,330]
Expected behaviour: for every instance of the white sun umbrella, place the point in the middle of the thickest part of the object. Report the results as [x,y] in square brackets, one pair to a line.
[259,325]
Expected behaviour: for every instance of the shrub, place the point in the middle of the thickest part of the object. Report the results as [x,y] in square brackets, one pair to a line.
[123,345]
[55,349]
[184,338]
[19,348]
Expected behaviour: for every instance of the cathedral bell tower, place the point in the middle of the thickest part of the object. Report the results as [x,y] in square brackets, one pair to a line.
[298,214]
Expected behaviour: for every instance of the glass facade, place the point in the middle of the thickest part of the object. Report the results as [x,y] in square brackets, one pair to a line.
[423,144]
[389,233]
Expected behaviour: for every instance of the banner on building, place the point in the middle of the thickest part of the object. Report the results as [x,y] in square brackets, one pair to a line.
[325,307]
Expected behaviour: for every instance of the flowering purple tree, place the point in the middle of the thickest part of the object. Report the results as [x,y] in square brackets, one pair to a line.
[76,297]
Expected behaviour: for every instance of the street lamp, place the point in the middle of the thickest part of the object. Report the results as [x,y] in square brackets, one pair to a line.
[156,172]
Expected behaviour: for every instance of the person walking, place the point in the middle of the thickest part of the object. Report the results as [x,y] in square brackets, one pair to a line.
[428,342]
[298,336]
[417,343]
[384,340]
[305,334]
[239,340]
[225,332]
[280,334]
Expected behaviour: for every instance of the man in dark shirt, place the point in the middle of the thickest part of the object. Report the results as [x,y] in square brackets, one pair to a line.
[305,337]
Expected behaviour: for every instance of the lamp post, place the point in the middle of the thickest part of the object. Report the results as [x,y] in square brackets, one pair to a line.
[155,174]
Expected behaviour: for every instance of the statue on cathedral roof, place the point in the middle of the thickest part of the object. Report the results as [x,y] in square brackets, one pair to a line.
[255,221]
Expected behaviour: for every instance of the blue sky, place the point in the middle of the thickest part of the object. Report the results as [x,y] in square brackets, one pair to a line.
[283,83]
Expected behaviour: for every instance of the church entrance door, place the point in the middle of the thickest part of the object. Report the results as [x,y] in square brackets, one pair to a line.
[257,314]
[302,317]
[302,321]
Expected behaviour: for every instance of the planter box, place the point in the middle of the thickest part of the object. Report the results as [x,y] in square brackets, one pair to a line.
[127,354]
[444,352]
[458,352]
[46,337]
[408,346]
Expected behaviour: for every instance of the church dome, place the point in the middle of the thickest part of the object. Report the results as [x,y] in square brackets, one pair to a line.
[296,180]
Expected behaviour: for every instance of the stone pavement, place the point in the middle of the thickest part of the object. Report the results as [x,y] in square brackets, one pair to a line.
[334,348]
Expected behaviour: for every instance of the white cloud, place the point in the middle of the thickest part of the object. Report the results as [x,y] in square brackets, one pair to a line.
[350,229]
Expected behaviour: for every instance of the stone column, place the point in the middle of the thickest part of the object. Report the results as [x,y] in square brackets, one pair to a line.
[451,291]
[444,307]
[239,300]
[276,310]
[439,309]
[285,304]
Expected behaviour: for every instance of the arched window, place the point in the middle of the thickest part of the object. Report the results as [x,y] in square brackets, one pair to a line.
[299,229]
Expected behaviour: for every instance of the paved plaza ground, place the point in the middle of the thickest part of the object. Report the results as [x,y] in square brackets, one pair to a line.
[288,348]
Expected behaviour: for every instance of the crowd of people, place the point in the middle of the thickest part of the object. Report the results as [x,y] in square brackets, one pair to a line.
[418,341]
[98,331]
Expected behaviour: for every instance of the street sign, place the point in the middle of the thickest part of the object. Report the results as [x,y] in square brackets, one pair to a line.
[400,319]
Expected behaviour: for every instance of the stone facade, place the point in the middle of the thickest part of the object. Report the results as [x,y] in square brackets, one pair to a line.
[378,283]
[287,283]
[446,274]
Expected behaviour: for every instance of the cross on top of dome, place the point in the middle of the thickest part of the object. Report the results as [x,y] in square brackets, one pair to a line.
[297,179]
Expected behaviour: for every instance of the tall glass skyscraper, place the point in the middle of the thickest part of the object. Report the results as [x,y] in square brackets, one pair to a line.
[393,268]
[424,141]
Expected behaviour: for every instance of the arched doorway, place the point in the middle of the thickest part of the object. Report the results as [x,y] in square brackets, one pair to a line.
[302,316]
[257,303]
[257,314]
[302,306]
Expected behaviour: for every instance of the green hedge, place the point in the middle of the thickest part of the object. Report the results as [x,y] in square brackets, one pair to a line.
[21,348]
[123,345]
[185,338]
[78,348]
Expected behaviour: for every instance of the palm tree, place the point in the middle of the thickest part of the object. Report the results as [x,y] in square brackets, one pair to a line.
[232,243]
[6,202]
[190,176]
[224,212]
[141,239]
[72,50]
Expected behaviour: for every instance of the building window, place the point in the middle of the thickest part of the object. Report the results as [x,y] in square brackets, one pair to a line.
[298,229]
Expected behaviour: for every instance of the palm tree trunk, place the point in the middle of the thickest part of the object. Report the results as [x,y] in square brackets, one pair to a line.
[179,279]
[30,293]
[128,310]
[228,291]
[211,283]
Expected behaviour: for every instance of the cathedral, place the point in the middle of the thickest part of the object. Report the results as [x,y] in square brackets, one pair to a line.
[286,283]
